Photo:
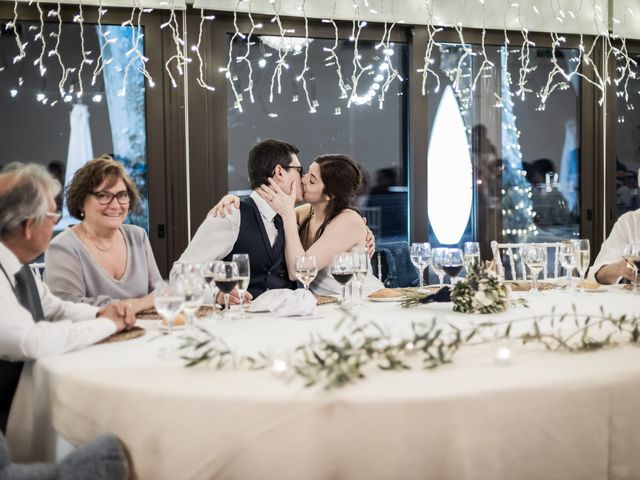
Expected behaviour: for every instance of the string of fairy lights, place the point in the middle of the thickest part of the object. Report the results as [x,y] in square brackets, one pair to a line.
[383,74]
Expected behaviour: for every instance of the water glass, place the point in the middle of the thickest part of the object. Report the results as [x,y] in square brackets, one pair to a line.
[421,258]
[306,270]
[567,260]
[342,272]
[632,256]
[244,278]
[535,257]
[360,265]
[471,256]
[169,300]
[583,258]
[192,284]
[438,256]
[225,276]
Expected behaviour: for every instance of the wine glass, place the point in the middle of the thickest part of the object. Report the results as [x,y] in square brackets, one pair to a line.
[244,278]
[360,266]
[421,258]
[567,260]
[453,263]
[437,259]
[632,256]
[471,256]
[535,257]
[306,270]
[342,271]
[193,286]
[225,275]
[169,300]
[207,269]
[583,258]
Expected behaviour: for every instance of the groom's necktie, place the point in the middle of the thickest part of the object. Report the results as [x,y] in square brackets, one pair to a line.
[27,293]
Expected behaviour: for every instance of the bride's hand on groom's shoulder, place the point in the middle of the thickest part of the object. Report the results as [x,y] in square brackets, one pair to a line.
[226,205]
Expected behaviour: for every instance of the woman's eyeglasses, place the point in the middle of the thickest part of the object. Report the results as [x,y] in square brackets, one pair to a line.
[105,198]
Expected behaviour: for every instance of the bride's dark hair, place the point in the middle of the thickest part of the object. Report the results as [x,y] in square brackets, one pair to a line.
[342,178]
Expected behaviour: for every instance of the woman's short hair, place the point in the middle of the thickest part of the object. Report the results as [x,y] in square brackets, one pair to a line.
[27,196]
[90,176]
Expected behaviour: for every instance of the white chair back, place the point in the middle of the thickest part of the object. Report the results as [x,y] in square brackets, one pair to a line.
[510,264]
[37,269]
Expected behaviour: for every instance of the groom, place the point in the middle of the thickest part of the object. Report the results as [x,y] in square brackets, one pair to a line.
[254,228]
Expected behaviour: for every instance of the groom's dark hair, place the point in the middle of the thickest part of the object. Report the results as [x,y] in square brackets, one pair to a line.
[265,156]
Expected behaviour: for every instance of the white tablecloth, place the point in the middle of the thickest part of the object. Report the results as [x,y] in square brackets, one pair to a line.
[548,415]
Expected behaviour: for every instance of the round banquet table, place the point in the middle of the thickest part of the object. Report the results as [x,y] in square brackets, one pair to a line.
[546,415]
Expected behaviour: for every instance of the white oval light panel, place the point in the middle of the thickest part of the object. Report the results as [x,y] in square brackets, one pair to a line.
[450,174]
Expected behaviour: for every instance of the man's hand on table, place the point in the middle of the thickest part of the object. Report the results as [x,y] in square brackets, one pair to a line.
[119,313]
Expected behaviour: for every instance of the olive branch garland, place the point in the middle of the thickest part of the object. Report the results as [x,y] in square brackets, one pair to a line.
[335,363]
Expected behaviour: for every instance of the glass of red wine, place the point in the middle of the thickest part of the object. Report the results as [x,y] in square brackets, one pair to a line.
[225,276]
[342,271]
[452,263]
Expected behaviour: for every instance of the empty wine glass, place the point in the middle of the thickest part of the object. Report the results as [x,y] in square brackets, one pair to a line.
[244,277]
[193,286]
[169,300]
[567,260]
[225,275]
[306,270]
[437,259]
[421,258]
[535,257]
[471,256]
[453,263]
[583,258]
[207,269]
[360,267]
[632,256]
[342,272]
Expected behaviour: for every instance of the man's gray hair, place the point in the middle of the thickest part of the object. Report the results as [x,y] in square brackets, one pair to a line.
[27,196]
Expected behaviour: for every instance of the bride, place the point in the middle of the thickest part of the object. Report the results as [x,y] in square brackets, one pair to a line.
[326,225]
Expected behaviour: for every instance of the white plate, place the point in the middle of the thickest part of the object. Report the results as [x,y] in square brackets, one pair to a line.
[386,299]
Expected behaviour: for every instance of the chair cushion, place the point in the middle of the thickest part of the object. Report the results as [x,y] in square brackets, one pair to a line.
[397,269]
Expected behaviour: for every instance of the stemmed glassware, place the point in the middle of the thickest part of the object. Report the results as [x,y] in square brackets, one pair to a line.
[453,263]
[583,258]
[342,271]
[225,275]
[306,269]
[207,269]
[437,260]
[567,260]
[421,258]
[471,255]
[192,284]
[360,267]
[535,257]
[632,256]
[169,300]
[244,277]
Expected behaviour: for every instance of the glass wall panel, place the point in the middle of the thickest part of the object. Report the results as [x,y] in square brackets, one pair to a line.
[374,137]
[525,157]
[62,131]
[627,145]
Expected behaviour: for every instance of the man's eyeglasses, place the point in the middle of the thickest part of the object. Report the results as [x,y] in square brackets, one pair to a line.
[105,198]
[300,169]
[55,217]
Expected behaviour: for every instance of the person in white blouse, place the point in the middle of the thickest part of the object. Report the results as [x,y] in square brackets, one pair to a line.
[33,322]
[609,266]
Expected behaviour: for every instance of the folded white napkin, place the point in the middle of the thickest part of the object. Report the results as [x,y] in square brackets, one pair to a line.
[284,302]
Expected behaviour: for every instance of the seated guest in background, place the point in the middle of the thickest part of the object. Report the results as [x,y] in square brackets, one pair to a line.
[255,228]
[324,226]
[610,267]
[101,259]
[34,323]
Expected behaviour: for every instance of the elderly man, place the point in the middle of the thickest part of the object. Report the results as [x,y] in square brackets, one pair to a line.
[609,267]
[33,322]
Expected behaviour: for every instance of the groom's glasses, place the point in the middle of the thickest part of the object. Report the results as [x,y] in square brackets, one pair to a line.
[300,169]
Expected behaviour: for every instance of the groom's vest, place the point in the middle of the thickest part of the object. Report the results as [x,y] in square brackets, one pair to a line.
[268,267]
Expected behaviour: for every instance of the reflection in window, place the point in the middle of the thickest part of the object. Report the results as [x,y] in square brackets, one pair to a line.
[628,149]
[63,132]
[373,137]
[525,158]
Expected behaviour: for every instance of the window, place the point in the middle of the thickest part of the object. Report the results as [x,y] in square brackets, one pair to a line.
[373,137]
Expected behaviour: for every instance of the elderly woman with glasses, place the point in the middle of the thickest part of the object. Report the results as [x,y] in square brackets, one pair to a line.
[101,259]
